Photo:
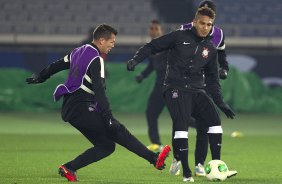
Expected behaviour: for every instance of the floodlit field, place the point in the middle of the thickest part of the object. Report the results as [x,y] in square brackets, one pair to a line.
[34,145]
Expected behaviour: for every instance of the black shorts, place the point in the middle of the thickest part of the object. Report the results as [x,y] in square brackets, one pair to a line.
[89,122]
[183,105]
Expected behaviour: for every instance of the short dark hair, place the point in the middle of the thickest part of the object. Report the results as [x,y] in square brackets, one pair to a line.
[208,3]
[104,31]
[155,22]
[205,11]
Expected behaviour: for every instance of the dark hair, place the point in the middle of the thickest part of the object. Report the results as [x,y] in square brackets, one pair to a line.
[205,11]
[155,22]
[209,4]
[104,31]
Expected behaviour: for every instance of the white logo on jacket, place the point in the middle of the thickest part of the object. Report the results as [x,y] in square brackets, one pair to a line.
[174,93]
[205,53]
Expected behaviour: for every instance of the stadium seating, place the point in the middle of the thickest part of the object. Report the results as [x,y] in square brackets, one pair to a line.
[73,16]
[238,18]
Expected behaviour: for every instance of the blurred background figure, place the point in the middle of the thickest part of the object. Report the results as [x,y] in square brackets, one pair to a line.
[155,104]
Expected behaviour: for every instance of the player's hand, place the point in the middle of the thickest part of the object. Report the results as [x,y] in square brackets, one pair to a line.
[34,79]
[223,73]
[227,110]
[131,65]
[139,78]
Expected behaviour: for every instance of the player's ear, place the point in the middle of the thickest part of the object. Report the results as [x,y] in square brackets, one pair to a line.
[194,21]
[102,41]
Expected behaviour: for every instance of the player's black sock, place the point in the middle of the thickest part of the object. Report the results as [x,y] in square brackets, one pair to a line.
[175,149]
[215,145]
[91,155]
[201,146]
[127,140]
[181,146]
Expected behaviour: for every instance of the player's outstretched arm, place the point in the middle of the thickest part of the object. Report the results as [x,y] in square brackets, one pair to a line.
[157,45]
[213,88]
[222,59]
[50,70]
[35,79]
[145,73]
[226,109]
[131,64]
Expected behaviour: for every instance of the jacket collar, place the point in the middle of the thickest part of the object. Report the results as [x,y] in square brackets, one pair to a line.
[93,45]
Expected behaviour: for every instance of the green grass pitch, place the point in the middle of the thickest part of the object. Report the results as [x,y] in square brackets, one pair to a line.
[32,146]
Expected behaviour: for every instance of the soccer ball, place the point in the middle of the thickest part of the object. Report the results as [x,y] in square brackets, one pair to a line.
[216,170]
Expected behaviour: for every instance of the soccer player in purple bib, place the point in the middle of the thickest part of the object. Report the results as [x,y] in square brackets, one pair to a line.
[86,107]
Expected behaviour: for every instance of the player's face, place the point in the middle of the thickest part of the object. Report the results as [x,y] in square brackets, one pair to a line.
[107,45]
[203,25]
[155,31]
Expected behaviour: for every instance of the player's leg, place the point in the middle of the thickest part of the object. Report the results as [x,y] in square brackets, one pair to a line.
[119,134]
[201,145]
[201,150]
[201,141]
[179,106]
[103,147]
[175,166]
[206,112]
[91,126]
[154,108]
[101,150]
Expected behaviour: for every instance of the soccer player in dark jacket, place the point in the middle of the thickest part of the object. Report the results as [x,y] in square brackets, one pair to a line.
[202,137]
[86,107]
[192,69]
[218,40]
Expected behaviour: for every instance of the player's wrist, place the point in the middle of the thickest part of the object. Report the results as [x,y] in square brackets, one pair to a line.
[223,73]
[131,64]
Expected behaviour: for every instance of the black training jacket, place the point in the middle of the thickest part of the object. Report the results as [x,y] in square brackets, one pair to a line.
[192,61]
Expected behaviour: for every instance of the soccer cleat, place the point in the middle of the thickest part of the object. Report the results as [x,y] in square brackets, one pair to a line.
[175,167]
[155,147]
[160,162]
[231,173]
[200,170]
[69,174]
[190,179]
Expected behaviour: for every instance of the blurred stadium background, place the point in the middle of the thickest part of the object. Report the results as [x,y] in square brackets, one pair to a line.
[34,33]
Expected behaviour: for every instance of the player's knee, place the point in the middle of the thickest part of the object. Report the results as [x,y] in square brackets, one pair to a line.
[180,135]
[119,131]
[152,117]
[114,126]
[202,131]
[202,136]
[150,114]
[110,148]
[215,130]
